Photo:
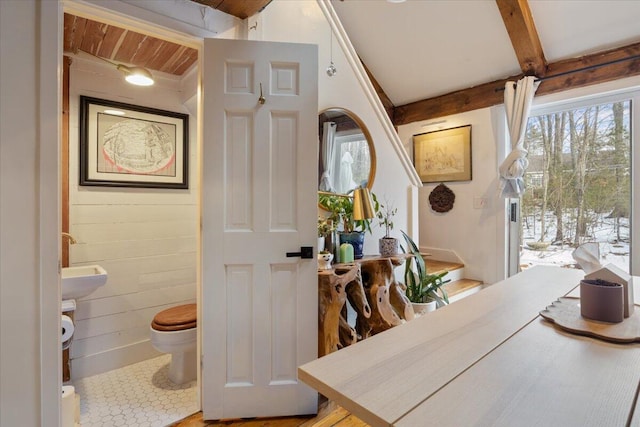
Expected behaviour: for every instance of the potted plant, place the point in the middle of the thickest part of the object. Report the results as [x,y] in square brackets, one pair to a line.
[325,229]
[387,245]
[422,287]
[340,209]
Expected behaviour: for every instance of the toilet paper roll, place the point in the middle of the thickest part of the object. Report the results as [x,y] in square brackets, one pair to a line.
[68,406]
[67,328]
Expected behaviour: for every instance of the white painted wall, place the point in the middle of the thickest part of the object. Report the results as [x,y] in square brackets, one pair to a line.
[145,238]
[471,233]
[303,22]
[29,221]
[478,235]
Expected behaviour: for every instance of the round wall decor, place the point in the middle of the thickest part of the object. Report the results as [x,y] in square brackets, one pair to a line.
[442,198]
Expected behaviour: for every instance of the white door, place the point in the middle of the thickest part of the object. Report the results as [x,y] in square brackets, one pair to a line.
[259,201]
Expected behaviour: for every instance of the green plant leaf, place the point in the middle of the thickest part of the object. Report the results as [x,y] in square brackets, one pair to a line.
[422,286]
[341,212]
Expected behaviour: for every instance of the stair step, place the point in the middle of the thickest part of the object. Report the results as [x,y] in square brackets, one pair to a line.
[435,266]
[458,287]
[466,286]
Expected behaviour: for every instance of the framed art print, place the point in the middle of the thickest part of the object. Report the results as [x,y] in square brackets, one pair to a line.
[443,155]
[124,145]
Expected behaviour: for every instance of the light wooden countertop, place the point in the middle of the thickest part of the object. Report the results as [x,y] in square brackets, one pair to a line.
[486,360]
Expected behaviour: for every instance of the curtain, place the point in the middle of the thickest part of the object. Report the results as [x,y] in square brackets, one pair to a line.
[517,103]
[344,179]
[328,154]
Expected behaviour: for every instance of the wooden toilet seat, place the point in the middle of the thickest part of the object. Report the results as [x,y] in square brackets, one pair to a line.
[176,318]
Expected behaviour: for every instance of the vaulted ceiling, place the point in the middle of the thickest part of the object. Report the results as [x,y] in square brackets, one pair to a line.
[433,58]
[430,58]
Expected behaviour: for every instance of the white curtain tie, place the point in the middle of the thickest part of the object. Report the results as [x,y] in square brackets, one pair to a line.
[517,104]
[515,164]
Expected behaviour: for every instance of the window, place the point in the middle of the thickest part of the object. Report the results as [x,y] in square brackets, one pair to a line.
[578,184]
[353,160]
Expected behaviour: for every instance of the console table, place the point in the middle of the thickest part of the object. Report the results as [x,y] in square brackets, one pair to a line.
[487,360]
[379,301]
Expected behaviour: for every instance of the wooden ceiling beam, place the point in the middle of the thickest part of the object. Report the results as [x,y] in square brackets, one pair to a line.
[386,102]
[239,8]
[481,96]
[622,62]
[524,36]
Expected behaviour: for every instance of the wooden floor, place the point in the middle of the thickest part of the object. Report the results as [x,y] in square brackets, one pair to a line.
[329,414]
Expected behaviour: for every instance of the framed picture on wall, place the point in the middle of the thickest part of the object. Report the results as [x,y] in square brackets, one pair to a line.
[443,155]
[124,145]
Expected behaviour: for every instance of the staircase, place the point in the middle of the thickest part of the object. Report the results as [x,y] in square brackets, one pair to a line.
[459,287]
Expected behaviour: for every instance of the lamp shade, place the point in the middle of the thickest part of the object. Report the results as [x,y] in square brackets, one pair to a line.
[362,205]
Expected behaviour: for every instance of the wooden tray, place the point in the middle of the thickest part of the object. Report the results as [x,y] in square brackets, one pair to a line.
[565,313]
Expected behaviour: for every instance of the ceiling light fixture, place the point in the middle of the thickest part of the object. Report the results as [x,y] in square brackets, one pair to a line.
[138,76]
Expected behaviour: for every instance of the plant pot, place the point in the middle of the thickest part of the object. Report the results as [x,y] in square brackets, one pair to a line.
[330,245]
[320,244]
[356,238]
[421,308]
[324,261]
[388,246]
[602,300]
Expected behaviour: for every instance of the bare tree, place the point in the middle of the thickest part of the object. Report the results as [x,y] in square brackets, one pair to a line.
[582,139]
[579,173]
[621,205]
[546,129]
[556,170]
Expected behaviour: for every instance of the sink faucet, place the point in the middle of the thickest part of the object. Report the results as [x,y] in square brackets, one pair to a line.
[72,241]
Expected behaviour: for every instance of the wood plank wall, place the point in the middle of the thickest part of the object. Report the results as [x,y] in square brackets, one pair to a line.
[144,238]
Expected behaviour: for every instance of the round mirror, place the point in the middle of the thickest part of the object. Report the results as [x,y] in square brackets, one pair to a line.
[347,157]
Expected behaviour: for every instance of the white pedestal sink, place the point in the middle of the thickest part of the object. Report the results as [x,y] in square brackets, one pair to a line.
[78,282]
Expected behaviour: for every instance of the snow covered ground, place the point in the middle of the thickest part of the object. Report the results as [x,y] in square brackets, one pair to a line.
[611,251]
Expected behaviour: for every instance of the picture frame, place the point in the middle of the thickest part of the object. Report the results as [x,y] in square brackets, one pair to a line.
[125,145]
[443,155]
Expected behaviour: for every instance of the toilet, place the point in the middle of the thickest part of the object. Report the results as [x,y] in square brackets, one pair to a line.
[174,331]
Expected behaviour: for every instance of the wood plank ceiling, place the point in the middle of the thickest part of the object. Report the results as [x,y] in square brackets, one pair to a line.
[132,48]
[124,46]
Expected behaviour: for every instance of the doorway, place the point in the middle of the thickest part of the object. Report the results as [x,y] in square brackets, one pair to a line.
[146,238]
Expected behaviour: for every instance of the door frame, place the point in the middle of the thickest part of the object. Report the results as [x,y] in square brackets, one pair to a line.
[51,64]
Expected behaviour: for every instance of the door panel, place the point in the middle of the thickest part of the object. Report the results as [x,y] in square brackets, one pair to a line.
[259,307]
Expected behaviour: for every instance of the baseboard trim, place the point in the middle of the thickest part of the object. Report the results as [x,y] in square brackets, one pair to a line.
[113,359]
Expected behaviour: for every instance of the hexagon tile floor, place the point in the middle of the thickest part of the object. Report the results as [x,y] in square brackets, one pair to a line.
[138,395]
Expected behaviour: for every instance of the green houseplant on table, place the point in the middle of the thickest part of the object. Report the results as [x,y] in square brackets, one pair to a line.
[340,208]
[326,228]
[424,290]
[387,245]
